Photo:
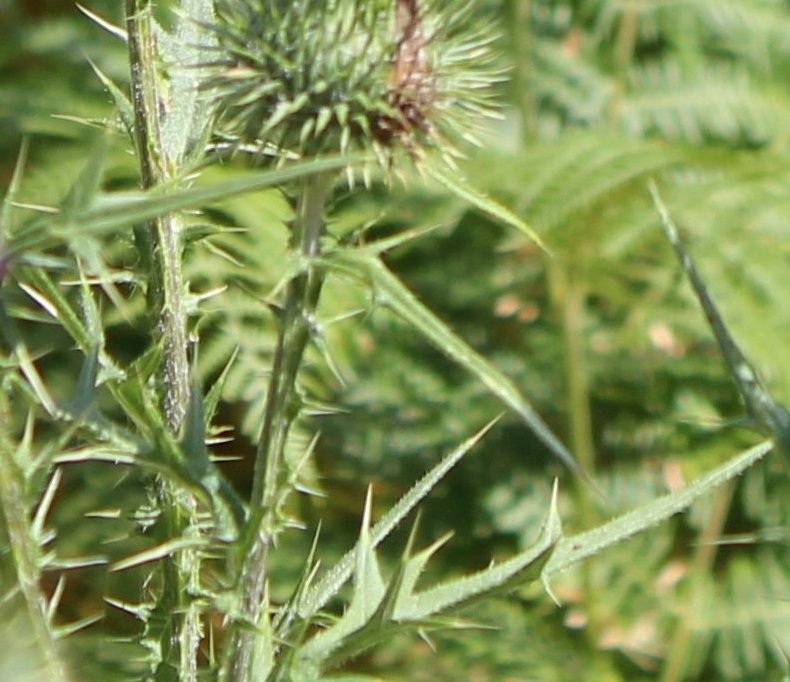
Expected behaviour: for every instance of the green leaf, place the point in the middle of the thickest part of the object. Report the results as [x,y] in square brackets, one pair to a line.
[11,195]
[122,102]
[226,505]
[369,589]
[215,392]
[86,187]
[769,415]
[158,552]
[184,127]
[376,611]
[63,310]
[10,331]
[193,441]
[498,578]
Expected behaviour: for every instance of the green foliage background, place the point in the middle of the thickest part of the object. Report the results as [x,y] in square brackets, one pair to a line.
[602,95]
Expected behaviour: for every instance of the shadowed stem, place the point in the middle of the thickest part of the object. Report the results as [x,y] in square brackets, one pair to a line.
[281,410]
[569,296]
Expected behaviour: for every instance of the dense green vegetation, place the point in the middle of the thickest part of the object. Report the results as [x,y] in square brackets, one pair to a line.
[120,530]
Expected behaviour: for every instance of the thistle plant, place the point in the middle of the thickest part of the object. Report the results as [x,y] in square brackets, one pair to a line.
[311,77]
[315,94]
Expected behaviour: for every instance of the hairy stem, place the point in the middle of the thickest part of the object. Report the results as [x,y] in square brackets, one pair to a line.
[166,302]
[155,169]
[282,408]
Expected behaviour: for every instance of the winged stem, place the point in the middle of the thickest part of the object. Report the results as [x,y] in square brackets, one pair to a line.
[161,249]
[282,407]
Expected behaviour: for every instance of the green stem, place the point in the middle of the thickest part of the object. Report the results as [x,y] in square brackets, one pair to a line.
[155,169]
[281,410]
[677,660]
[23,552]
[624,54]
[162,249]
[569,298]
[519,17]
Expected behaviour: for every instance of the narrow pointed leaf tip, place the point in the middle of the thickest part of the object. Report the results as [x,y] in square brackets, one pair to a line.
[769,416]
[100,21]
[577,547]
[484,204]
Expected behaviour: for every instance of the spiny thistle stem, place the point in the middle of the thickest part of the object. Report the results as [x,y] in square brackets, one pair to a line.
[155,169]
[166,299]
[281,410]
[300,303]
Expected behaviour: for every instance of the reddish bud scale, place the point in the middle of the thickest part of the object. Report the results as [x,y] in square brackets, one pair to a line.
[411,88]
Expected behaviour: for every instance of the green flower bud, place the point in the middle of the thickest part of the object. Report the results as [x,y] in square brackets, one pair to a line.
[325,76]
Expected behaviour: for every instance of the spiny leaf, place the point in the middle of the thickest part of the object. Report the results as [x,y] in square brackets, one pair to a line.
[86,187]
[37,385]
[122,103]
[193,442]
[372,616]
[185,125]
[11,194]
[215,392]
[501,577]
[65,313]
[369,589]
[577,547]
[86,384]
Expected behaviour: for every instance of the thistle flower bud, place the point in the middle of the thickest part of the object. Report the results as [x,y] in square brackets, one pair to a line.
[326,76]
